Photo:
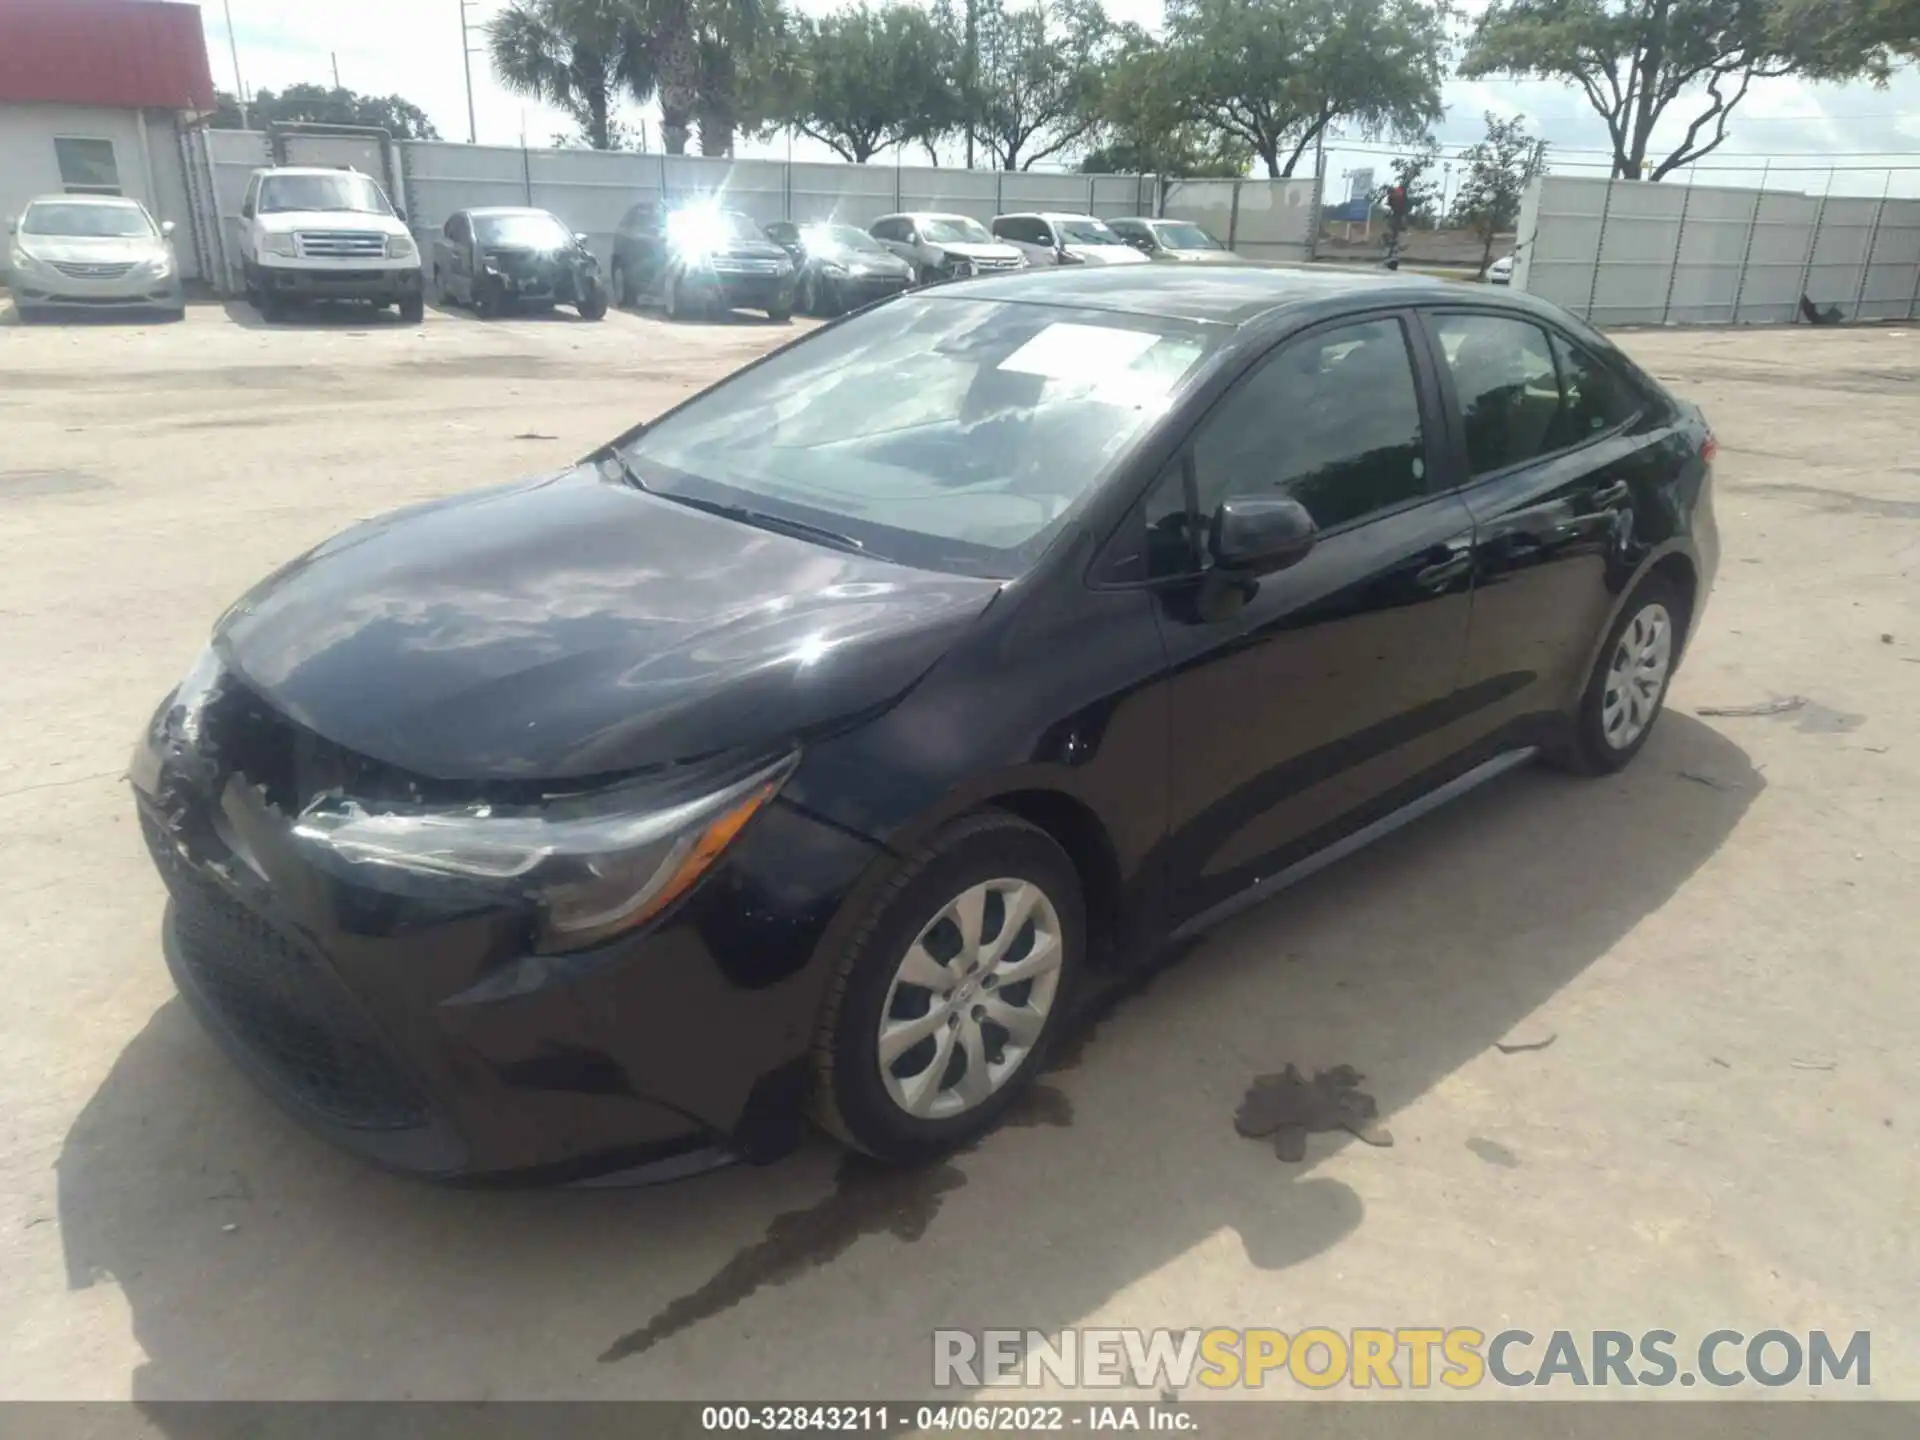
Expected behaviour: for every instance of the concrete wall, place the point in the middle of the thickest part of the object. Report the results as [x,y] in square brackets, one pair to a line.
[148,163]
[1624,252]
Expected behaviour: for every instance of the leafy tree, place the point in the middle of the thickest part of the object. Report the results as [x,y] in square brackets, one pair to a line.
[579,56]
[1040,73]
[740,52]
[1879,31]
[870,79]
[1498,170]
[1634,60]
[1274,74]
[327,105]
[1146,128]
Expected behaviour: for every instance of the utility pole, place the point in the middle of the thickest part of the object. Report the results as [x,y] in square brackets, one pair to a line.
[239,85]
[334,55]
[466,60]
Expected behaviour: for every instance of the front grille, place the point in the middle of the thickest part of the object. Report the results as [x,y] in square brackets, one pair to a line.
[993,264]
[85,270]
[277,999]
[353,244]
[741,265]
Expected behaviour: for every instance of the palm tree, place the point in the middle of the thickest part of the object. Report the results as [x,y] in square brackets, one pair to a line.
[711,59]
[577,55]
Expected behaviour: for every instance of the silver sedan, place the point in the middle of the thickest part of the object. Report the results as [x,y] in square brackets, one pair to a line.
[91,252]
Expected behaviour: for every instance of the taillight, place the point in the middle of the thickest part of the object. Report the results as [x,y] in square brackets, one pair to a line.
[1709,449]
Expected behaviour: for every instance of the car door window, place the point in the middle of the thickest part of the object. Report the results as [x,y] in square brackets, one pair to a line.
[1594,397]
[1331,420]
[459,230]
[1507,388]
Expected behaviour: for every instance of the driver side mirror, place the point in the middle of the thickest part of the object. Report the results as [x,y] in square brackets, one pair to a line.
[166,229]
[1258,534]
[580,238]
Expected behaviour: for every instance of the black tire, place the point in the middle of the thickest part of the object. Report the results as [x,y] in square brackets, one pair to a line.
[780,314]
[626,294]
[672,300]
[442,292]
[593,305]
[26,315]
[807,297]
[271,307]
[413,309]
[850,1097]
[1590,750]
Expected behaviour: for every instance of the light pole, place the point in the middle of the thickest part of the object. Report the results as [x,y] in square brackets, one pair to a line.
[239,85]
[466,61]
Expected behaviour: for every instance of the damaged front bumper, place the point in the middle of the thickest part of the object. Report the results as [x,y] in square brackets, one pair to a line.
[418,1028]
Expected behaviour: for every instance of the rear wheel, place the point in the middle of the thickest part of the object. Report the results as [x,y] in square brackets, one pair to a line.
[951,991]
[1628,687]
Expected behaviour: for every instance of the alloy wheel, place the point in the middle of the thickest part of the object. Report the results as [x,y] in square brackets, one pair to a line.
[1637,676]
[970,998]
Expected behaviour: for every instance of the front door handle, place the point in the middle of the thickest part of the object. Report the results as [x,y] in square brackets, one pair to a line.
[1442,574]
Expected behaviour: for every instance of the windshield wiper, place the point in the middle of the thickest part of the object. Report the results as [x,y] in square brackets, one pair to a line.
[765,520]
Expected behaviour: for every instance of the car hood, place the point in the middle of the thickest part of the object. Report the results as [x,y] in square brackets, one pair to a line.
[980,250]
[751,250]
[280,222]
[1107,254]
[91,249]
[1205,257]
[864,262]
[576,626]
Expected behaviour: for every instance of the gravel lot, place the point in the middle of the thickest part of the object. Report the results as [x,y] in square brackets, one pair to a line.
[1721,944]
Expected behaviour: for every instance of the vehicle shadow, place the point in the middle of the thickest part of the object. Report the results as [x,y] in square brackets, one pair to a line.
[316,315]
[121,316]
[550,314]
[257,1263]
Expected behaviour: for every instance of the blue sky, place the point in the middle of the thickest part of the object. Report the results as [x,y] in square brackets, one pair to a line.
[413,47]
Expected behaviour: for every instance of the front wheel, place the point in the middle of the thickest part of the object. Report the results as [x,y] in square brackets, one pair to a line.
[592,305]
[951,991]
[413,309]
[1628,687]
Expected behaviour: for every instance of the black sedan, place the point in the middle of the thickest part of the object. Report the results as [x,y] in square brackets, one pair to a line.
[820,746]
[840,267]
[498,259]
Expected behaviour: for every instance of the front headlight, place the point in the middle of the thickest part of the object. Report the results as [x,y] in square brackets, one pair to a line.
[157,267]
[832,267]
[18,259]
[595,866]
[401,247]
[279,244]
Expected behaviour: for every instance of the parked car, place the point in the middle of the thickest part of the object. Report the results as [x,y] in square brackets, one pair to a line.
[1181,240]
[1055,238]
[944,247]
[695,257]
[820,744]
[318,234]
[1501,271]
[498,258]
[841,267]
[91,252]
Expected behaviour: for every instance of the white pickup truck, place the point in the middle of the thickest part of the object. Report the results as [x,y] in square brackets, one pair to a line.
[319,234]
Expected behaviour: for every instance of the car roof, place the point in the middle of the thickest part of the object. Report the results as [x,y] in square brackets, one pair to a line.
[1226,295]
[924,215]
[311,170]
[497,210]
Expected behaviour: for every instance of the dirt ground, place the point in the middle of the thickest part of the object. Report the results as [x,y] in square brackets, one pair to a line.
[1720,945]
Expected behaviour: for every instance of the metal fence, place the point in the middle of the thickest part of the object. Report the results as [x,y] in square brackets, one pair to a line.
[1625,252]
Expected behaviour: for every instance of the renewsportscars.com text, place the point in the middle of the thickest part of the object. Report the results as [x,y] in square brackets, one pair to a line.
[1363,1358]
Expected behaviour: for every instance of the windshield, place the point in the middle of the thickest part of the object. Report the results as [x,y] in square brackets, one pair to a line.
[345,191]
[1187,237]
[954,229]
[1087,232]
[944,433]
[535,231]
[94,221]
[840,237]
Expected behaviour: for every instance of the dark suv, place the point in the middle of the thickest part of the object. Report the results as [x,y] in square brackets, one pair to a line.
[694,257]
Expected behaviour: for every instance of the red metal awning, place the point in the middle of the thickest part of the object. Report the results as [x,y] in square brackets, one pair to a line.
[130,54]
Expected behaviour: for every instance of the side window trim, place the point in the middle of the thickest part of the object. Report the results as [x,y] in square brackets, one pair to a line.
[1462,477]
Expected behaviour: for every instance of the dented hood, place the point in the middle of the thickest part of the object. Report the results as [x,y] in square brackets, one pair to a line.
[576,626]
